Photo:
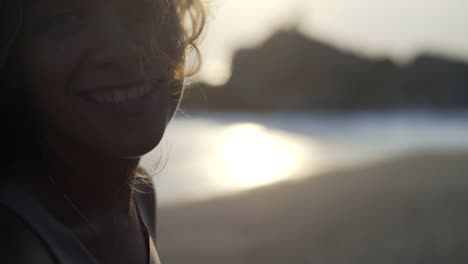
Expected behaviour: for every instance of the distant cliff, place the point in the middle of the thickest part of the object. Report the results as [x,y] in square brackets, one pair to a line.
[291,71]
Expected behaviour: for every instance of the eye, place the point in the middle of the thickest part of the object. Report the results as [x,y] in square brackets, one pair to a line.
[63,22]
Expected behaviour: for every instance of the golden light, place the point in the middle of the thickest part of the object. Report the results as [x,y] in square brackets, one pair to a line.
[253,156]
[216,72]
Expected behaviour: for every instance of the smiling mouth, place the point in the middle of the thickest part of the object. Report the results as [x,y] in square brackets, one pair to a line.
[119,96]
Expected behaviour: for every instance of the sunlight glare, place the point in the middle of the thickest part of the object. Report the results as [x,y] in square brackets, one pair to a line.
[216,72]
[252,156]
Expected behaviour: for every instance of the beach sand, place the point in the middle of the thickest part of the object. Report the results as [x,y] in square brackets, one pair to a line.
[411,209]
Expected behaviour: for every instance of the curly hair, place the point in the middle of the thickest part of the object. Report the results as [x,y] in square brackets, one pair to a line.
[181,20]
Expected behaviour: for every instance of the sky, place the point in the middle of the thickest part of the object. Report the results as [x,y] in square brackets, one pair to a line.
[399,29]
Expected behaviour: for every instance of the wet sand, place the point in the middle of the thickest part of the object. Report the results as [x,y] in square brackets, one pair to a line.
[412,209]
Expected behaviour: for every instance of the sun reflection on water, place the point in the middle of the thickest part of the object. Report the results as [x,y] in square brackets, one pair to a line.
[253,156]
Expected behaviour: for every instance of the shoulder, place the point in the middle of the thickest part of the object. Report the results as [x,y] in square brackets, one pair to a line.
[19,243]
[146,200]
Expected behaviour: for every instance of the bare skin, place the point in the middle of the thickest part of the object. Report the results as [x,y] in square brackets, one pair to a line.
[78,56]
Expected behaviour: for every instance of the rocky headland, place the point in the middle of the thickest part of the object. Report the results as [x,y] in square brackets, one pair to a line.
[293,72]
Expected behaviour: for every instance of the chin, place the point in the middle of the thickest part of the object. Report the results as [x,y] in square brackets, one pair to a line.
[138,150]
[116,136]
[136,144]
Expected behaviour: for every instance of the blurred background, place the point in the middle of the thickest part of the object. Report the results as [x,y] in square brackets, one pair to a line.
[321,131]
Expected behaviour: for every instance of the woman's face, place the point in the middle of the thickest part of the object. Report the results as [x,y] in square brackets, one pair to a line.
[93,80]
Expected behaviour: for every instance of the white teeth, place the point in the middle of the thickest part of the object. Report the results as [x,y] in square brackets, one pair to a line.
[122,96]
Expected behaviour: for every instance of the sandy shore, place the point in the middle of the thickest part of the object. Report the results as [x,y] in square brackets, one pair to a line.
[413,209]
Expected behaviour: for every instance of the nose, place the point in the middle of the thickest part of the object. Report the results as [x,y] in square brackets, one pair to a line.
[119,54]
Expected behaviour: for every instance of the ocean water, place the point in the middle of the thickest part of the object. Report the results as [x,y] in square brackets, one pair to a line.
[207,154]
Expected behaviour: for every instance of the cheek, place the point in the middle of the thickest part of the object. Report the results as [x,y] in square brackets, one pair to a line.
[49,70]
[53,70]
[57,67]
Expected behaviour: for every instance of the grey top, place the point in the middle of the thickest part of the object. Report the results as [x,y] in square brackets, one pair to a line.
[61,241]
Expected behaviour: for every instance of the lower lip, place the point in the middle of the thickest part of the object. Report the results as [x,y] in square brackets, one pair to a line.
[132,107]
